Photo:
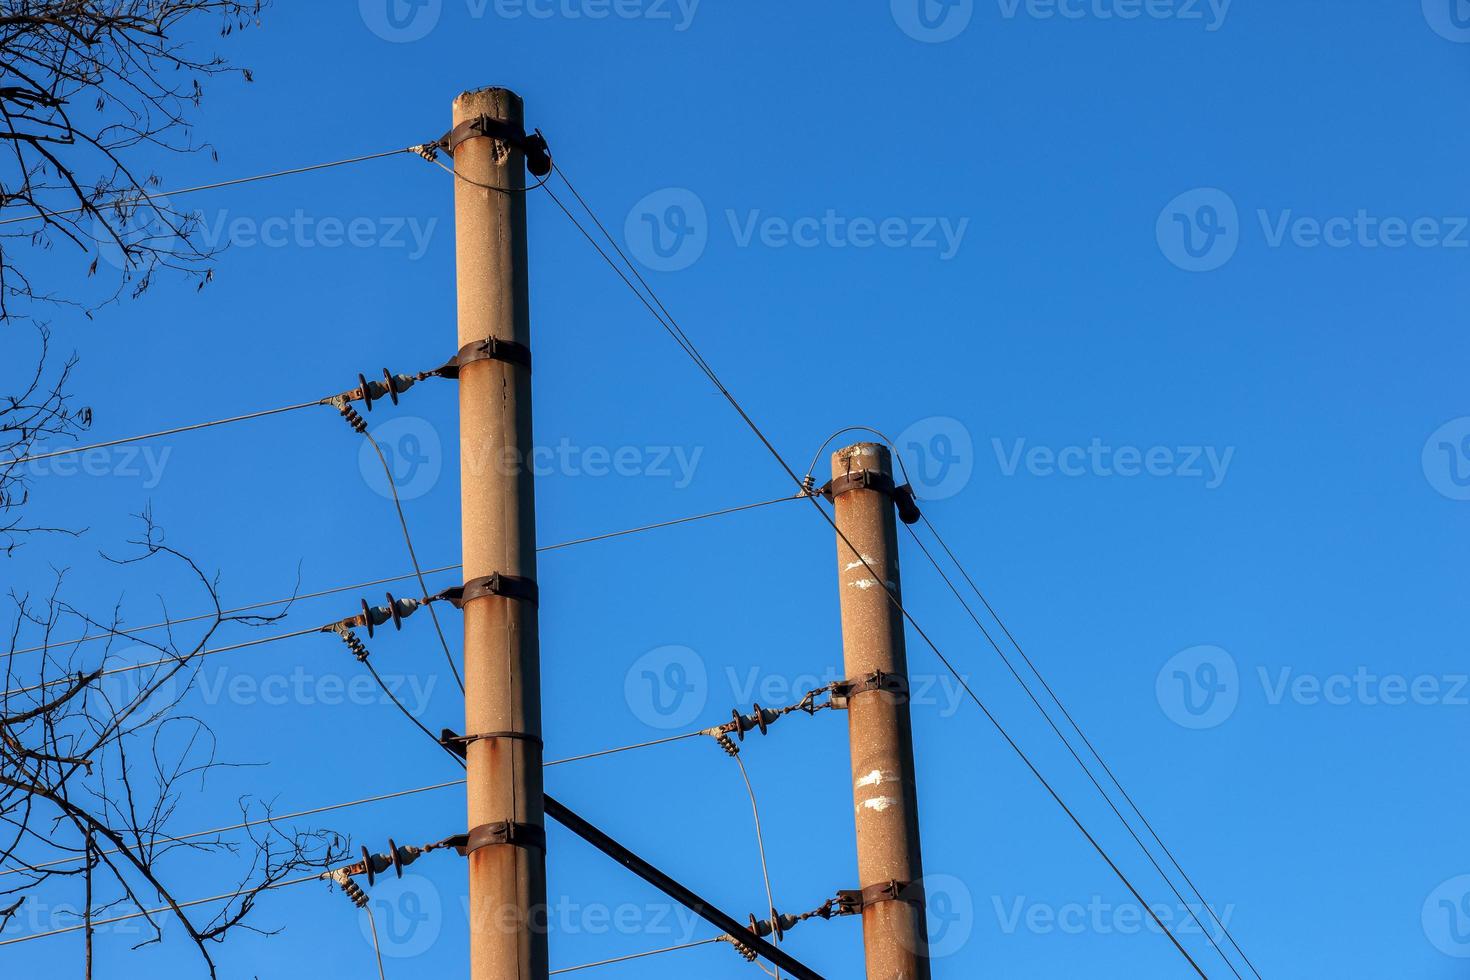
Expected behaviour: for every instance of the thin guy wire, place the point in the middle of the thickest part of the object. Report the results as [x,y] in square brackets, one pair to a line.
[373,923]
[413,556]
[409,714]
[389,580]
[634,956]
[760,840]
[151,912]
[898,456]
[181,659]
[209,187]
[1087,742]
[672,328]
[152,840]
[155,435]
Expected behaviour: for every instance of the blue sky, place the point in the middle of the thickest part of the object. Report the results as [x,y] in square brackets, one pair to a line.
[1163,301]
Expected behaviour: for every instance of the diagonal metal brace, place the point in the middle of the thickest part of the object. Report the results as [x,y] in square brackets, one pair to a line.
[677,892]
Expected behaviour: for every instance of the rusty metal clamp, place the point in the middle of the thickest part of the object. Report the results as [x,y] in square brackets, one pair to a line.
[894,684]
[505,586]
[853,902]
[533,145]
[523,835]
[902,495]
[489,349]
[459,744]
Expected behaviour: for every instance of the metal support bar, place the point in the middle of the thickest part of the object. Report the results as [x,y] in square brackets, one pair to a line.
[676,891]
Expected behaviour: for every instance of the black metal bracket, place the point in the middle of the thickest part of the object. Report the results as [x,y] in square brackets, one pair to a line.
[523,835]
[853,902]
[491,349]
[459,744]
[505,586]
[901,494]
[894,684]
[533,145]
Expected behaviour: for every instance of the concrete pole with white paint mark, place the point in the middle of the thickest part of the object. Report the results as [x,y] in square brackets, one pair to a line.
[890,866]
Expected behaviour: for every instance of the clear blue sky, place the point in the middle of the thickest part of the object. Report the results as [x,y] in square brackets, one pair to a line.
[1173,307]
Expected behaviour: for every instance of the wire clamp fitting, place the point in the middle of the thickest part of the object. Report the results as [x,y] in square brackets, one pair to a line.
[902,495]
[854,902]
[371,866]
[459,744]
[504,586]
[895,685]
[489,349]
[538,155]
[526,836]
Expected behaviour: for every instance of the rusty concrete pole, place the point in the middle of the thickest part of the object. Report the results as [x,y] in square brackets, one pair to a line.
[880,731]
[502,669]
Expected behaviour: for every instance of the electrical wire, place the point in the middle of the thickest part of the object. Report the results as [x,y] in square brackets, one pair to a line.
[6,464]
[378,953]
[670,326]
[635,956]
[286,600]
[1085,741]
[218,184]
[413,555]
[244,825]
[158,911]
[180,660]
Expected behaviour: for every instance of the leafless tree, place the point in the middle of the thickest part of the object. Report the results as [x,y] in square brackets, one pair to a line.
[94,762]
[91,91]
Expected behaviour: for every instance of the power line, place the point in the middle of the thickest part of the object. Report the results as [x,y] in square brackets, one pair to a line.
[413,557]
[1087,742]
[245,825]
[636,956]
[357,586]
[670,325]
[155,435]
[158,911]
[209,187]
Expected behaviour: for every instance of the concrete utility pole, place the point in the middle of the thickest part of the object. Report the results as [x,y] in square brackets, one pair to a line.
[890,867]
[507,858]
